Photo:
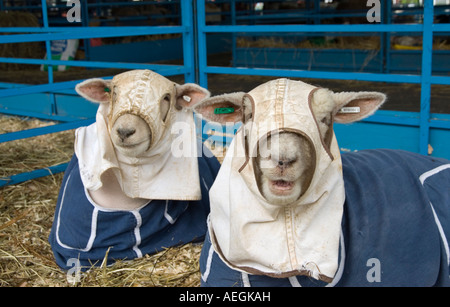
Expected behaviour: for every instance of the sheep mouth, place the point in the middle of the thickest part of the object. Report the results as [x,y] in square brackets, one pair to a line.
[132,145]
[281,186]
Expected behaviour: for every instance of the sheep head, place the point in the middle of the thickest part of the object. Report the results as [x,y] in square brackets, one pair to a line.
[141,105]
[281,138]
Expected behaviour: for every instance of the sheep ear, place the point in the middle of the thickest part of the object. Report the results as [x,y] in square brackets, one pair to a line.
[190,94]
[222,109]
[95,90]
[355,106]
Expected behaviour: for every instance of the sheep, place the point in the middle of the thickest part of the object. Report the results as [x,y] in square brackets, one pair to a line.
[288,210]
[124,194]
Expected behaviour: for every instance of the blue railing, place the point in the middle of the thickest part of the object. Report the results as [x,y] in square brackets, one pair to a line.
[433,129]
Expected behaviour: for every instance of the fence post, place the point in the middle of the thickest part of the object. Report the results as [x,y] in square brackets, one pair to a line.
[188,40]
[201,41]
[48,49]
[425,93]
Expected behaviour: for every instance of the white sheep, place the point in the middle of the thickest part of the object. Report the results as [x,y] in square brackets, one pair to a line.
[124,191]
[286,209]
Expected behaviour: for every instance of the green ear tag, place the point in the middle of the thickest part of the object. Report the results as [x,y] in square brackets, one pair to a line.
[223,110]
[107,89]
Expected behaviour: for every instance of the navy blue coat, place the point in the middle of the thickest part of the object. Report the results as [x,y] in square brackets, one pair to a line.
[85,232]
[395,226]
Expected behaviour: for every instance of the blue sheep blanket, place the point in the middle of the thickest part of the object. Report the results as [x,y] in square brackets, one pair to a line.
[395,226]
[86,232]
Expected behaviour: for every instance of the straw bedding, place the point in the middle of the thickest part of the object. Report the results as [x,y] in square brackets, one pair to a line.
[26,215]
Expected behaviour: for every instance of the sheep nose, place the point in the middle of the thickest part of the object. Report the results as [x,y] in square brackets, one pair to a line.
[124,133]
[285,163]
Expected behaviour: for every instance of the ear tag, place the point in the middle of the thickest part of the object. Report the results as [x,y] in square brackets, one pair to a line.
[350,110]
[187,98]
[223,110]
[107,89]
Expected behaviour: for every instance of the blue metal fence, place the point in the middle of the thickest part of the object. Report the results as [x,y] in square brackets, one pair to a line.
[422,130]
[52,96]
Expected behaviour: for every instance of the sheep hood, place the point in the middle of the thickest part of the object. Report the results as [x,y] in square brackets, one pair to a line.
[256,237]
[164,171]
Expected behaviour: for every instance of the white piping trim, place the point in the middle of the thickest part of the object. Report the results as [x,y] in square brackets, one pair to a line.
[137,233]
[422,179]
[441,232]
[432,172]
[208,264]
[245,280]
[167,215]
[294,281]
[340,270]
[204,184]
[93,225]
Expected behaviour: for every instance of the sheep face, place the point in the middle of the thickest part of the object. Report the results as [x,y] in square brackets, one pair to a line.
[283,167]
[289,142]
[285,163]
[141,107]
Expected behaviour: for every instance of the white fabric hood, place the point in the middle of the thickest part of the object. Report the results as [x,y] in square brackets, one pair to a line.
[158,174]
[256,237]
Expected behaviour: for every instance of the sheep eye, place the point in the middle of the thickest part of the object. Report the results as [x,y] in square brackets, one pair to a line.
[114,95]
[326,120]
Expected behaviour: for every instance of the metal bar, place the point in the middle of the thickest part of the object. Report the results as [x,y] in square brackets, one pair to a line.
[425,93]
[315,28]
[167,71]
[313,74]
[81,33]
[39,115]
[201,43]
[49,55]
[441,27]
[440,124]
[12,136]
[195,33]
[127,3]
[15,179]
[233,35]
[85,23]
[160,67]
[386,39]
[410,119]
[187,21]
[38,88]
[104,29]
[440,80]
